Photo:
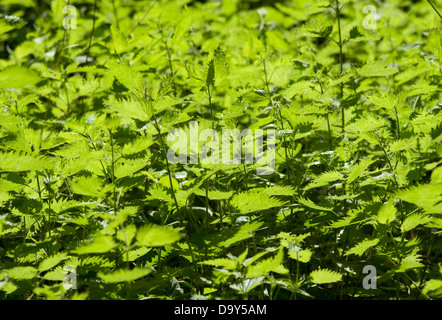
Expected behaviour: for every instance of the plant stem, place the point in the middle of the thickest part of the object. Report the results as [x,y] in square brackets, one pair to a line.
[144,16]
[209,94]
[329,132]
[41,201]
[398,129]
[281,120]
[157,127]
[114,9]
[92,32]
[113,172]
[435,9]
[340,63]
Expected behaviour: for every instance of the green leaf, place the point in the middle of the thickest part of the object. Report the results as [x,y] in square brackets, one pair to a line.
[127,76]
[279,191]
[436,176]
[310,204]
[17,77]
[362,246]
[119,42]
[219,195]
[324,179]
[52,261]
[127,234]
[244,232]
[128,168]
[426,196]
[326,31]
[124,275]
[317,7]
[413,221]
[221,67]
[433,288]
[384,100]
[88,186]
[17,162]
[400,145]
[355,33]
[130,109]
[377,70]
[224,263]
[8,23]
[359,170]
[249,261]
[210,77]
[266,266]
[134,254]
[325,276]
[101,244]
[303,255]
[387,213]
[55,275]
[22,273]
[299,88]
[252,201]
[181,29]
[157,236]
[409,262]
[247,284]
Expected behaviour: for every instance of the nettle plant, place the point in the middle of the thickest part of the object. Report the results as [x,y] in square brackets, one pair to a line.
[92,208]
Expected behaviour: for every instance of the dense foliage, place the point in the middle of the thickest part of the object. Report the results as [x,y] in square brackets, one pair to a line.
[85,183]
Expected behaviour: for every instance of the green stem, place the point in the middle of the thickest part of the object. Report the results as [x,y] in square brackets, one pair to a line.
[340,63]
[389,162]
[435,9]
[113,172]
[267,83]
[115,14]
[397,123]
[157,127]
[329,132]
[209,94]
[41,201]
[92,32]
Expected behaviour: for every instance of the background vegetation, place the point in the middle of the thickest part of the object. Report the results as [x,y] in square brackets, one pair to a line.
[85,183]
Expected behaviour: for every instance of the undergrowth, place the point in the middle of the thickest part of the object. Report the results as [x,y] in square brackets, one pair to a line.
[86,183]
